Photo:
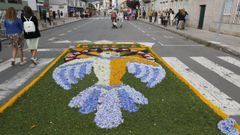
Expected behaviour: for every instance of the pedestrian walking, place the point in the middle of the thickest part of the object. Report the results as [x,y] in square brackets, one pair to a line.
[32,38]
[114,19]
[14,29]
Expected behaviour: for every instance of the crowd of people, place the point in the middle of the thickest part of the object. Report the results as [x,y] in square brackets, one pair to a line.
[50,15]
[167,17]
[21,29]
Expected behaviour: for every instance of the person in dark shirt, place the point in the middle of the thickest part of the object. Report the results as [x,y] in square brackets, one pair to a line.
[32,38]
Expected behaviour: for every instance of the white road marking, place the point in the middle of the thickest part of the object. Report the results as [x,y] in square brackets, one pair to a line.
[221,71]
[3,94]
[51,39]
[153,38]
[103,42]
[69,31]
[209,91]
[149,44]
[182,45]
[160,43]
[62,42]
[230,60]
[7,64]
[168,37]
[82,41]
[61,34]
[50,49]
[75,28]
[21,77]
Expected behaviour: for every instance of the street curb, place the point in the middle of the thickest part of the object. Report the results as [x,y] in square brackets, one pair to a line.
[61,25]
[199,40]
[50,27]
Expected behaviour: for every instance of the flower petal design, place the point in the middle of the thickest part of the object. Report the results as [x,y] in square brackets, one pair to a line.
[68,73]
[109,114]
[90,104]
[227,127]
[127,103]
[147,73]
[81,98]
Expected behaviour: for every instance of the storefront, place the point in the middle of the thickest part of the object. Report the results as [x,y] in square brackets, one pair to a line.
[75,11]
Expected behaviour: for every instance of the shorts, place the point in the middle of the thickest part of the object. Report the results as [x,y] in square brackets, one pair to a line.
[16,40]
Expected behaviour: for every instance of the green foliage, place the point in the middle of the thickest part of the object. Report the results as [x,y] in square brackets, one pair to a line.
[91,6]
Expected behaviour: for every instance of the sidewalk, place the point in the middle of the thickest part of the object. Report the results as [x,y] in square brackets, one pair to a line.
[56,23]
[226,43]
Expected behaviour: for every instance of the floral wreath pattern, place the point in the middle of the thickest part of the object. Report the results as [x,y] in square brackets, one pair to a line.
[109,95]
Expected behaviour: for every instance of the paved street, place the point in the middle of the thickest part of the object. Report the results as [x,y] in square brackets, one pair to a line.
[214,73]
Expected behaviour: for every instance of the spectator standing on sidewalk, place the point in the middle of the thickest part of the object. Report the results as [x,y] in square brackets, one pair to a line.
[58,13]
[159,17]
[48,18]
[14,29]
[1,50]
[45,17]
[54,14]
[164,18]
[32,38]
[181,19]
[155,16]
[150,15]
[51,15]
[171,14]
[144,14]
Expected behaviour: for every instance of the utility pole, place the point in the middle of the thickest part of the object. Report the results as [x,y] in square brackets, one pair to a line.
[220,21]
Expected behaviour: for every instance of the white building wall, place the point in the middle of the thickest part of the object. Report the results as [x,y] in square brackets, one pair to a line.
[32,4]
[212,13]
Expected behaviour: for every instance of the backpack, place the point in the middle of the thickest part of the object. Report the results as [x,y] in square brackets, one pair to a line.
[28,25]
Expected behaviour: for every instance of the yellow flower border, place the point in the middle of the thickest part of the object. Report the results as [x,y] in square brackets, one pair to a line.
[217,110]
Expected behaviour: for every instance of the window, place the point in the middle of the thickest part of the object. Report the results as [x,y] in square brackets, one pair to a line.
[15,1]
[228,7]
[2,0]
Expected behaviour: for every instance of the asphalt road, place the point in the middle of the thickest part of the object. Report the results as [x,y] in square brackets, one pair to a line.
[213,71]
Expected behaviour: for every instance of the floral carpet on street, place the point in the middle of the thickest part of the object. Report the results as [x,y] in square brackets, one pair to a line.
[109,95]
[113,89]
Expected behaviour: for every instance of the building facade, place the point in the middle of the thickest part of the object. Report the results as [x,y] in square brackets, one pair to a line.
[59,6]
[76,7]
[205,14]
[17,4]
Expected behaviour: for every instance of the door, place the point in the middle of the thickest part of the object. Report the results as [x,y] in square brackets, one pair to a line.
[201,17]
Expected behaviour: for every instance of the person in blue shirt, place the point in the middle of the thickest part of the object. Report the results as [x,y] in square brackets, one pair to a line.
[14,31]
